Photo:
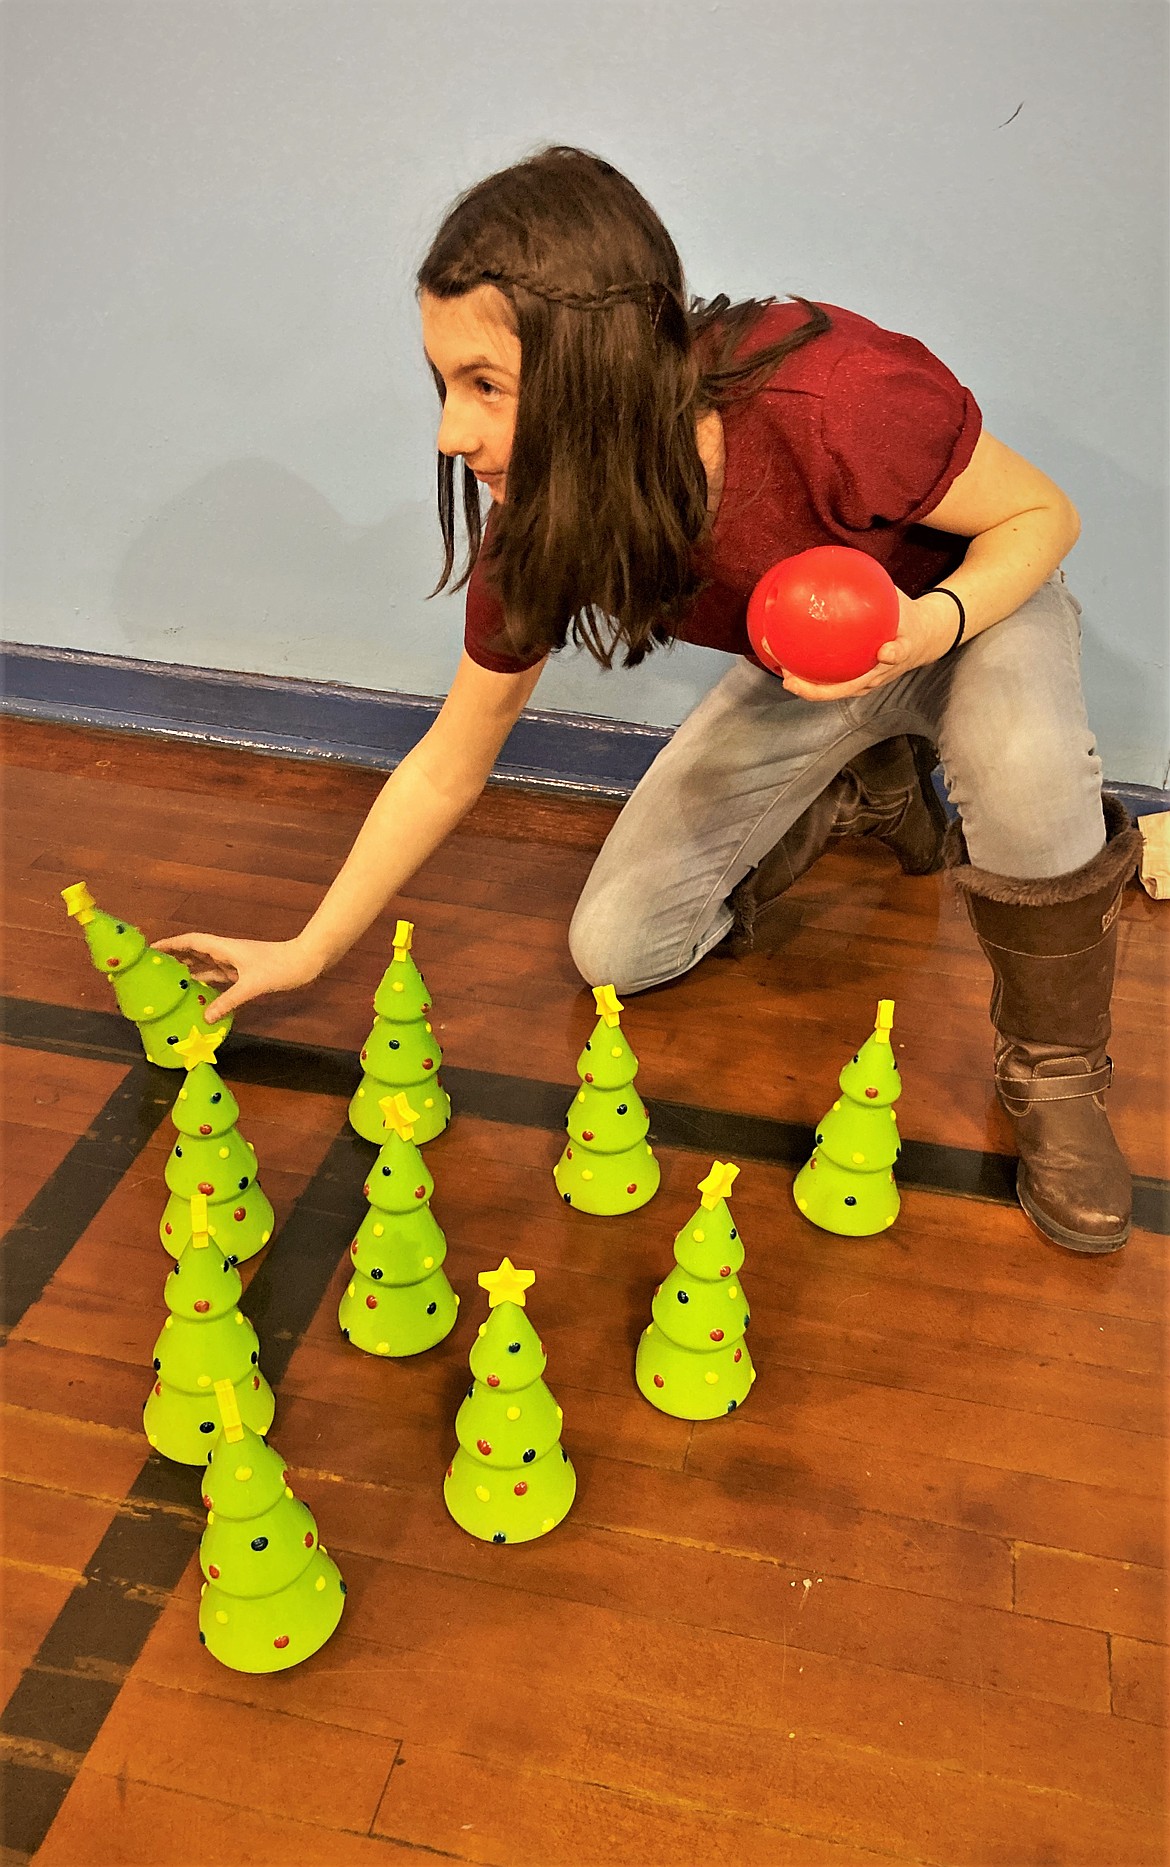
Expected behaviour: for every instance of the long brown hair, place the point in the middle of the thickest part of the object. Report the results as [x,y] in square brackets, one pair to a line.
[607,494]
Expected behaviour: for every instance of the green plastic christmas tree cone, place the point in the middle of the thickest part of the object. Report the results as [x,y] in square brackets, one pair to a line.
[402,1051]
[692,1359]
[211,1157]
[272,1595]
[205,1340]
[154,990]
[398,1300]
[511,1479]
[608,1165]
[848,1185]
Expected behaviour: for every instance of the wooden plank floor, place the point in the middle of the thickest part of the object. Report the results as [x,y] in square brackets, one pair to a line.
[908,1605]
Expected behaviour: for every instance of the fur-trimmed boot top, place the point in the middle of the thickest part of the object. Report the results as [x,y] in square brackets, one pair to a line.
[1052,945]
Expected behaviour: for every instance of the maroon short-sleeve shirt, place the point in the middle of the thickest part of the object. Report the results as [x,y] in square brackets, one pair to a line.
[853,440]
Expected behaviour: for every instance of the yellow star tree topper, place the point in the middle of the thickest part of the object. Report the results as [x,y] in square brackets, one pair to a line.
[507,1284]
[609,1005]
[397,1112]
[718,1183]
[200,1046]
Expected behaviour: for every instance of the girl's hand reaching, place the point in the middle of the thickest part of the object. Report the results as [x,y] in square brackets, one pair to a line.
[249,968]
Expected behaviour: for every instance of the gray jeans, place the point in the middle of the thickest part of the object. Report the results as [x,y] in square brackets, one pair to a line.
[1005,711]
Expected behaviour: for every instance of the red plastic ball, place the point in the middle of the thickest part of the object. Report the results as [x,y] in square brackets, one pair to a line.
[493,1380]
[520,1489]
[240,1214]
[823,614]
[717,1335]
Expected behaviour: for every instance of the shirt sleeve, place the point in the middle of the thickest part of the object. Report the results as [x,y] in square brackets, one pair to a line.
[897,429]
[484,637]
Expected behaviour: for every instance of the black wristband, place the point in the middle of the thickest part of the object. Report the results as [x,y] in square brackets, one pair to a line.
[940,589]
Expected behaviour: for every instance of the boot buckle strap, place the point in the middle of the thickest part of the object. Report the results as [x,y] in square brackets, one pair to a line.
[1056,1088]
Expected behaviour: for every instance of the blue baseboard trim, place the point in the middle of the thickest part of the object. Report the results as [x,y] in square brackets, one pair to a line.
[576,753]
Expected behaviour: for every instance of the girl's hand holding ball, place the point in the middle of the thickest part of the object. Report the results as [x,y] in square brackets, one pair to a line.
[832,624]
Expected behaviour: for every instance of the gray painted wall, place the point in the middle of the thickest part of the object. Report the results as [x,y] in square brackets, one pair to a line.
[219,426]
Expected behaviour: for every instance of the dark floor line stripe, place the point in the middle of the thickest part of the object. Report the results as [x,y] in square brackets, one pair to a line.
[275,1063]
[66,1694]
[40,1240]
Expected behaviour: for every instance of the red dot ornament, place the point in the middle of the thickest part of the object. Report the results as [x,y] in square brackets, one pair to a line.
[309,1539]
[202,1306]
[371,1302]
[739,1354]
[240,1214]
[420,1192]
[586,1134]
[872,1094]
[520,1489]
[484,1446]
[212,1571]
[717,1335]
[823,614]
[205,1127]
[658,1381]
[206,1188]
[281,1641]
[632,1187]
[493,1380]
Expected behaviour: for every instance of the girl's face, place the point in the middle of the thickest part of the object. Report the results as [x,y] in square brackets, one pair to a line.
[470,344]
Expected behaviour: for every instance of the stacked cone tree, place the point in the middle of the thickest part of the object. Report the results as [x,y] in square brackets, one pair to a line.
[272,1595]
[848,1185]
[211,1157]
[398,1300]
[206,1341]
[511,1479]
[401,1052]
[608,1166]
[692,1359]
[154,990]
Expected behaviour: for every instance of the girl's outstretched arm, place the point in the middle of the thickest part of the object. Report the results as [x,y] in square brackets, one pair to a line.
[420,803]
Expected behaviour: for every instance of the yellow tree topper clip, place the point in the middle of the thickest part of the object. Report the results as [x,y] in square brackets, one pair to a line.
[403,937]
[507,1285]
[229,1411]
[79,902]
[718,1183]
[200,1046]
[885,1020]
[398,1114]
[199,1232]
[609,1005]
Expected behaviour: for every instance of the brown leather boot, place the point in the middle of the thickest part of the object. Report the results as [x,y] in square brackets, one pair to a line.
[1052,946]
[886,792]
